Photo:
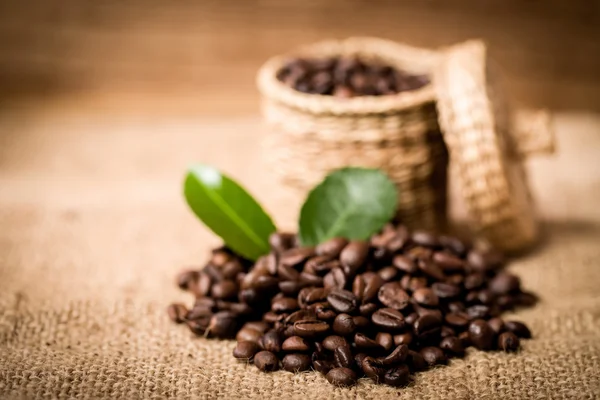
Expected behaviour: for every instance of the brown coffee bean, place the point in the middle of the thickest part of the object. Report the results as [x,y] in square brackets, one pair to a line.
[432,270]
[405,264]
[342,301]
[271,262]
[526,299]
[434,356]
[248,335]
[372,369]
[416,362]
[456,279]
[426,297]
[186,278]
[417,282]
[363,342]
[354,254]
[281,241]
[231,269]
[310,280]
[427,311]
[484,260]
[284,304]
[290,288]
[518,328]
[344,325]
[332,342]
[245,350]
[295,344]
[201,286]
[358,287]
[223,324]
[310,328]
[497,324]
[215,273]
[366,310]
[398,356]
[324,312]
[273,317]
[299,316]
[265,284]
[296,256]
[452,345]
[397,376]
[343,356]
[411,318]
[403,338]
[296,362]
[385,340]
[257,325]
[508,342]
[341,377]
[323,366]
[486,296]
[457,320]
[388,273]
[478,311]
[313,295]
[287,273]
[392,295]
[447,331]
[266,361]
[319,265]
[448,262]
[445,290]
[427,326]
[177,312]
[504,283]
[373,285]
[271,341]
[454,245]
[465,339]
[424,238]
[481,335]
[332,247]
[225,289]
[199,311]
[335,279]
[474,281]
[389,319]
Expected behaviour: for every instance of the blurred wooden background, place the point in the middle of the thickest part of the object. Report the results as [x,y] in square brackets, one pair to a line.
[201,57]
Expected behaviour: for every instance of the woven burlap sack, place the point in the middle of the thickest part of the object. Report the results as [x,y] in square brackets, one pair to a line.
[311,135]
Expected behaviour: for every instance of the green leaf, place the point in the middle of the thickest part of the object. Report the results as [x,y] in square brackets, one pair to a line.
[352,202]
[229,211]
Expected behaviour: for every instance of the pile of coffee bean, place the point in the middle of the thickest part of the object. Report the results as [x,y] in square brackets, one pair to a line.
[385,308]
[347,77]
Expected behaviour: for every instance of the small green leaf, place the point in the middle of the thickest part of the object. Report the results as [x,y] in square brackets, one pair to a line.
[229,211]
[352,202]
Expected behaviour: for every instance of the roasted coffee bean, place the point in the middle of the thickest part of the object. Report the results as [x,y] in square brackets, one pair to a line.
[344,325]
[362,342]
[373,286]
[474,281]
[332,247]
[358,359]
[403,338]
[250,296]
[290,288]
[256,325]
[271,262]
[398,356]
[186,278]
[271,341]
[372,369]
[431,269]
[248,335]
[296,362]
[481,335]
[385,340]
[225,289]
[320,352]
[284,304]
[392,295]
[508,342]
[504,283]
[405,264]
[456,279]
[465,339]
[448,262]
[354,254]
[310,328]
[478,311]
[296,256]
[426,297]
[422,311]
[287,273]
[388,319]
[281,241]
[332,342]
[223,324]
[416,361]
[433,356]
[343,356]
[273,317]
[341,376]
[231,269]
[245,350]
[335,279]
[220,256]
[313,295]
[454,245]
[323,366]
[177,312]
[445,290]
[358,287]
[457,320]
[310,279]
[319,265]
[388,273]
[201,286]
[411,318]
[324,312]
[472,297]
[518,328]
[497,324]
[295,344]
[266,361]
[447,331]
[215,273]
[397,376]
[456,307]
[361,322]
[265,283]
[199,311]
[485,296]
[398,242]
[526,299]
[382,255]
[342,301]
[505,302]
[452,345]
[424,238]
[484,260]
[416,282]
[427,325]
[366,310]
[299,316]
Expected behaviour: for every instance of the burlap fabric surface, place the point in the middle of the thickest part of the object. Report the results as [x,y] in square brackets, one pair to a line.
[93,228]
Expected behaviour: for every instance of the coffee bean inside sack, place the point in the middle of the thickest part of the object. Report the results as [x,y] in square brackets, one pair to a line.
[386,308]
[346,77]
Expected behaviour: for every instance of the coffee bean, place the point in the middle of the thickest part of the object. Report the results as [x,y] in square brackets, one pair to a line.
[372,369]
[389,319]
[411,318]
[332,247]
[231,269]
[447,331]
[341,377]
[296,256]
[265,284]
[313,295]
[295,344]
[508,342]
[290,288]
[497,324]
[332,342]
[354,254]
[319,265]
[324,312]
[362,323]
[484,260]
[342,301]
[385,340]
[245,350]
[311,329]
[398,356]
[388,273]
[518,328]
[296,362]
[486,296]
[284,304]
[177,312]
[481,335]
[201,286]
[427,327]
[505,301]
[445,290]
[344,325]
[225,289]
[416,361]
[323,366]
[422,311]
[392,295]
[343,356]
[247,334]
[504,283]
[362,342]
[373,286]
[223,324]
[403,338]
[424,238]
[457,320]
[478,311]
[465,339]
[186,278]
[366,310]
[215,273]
[452,345]
[358,287]
[310,279]
[405,264]
[397,376]
[433,356]
[287,273]
[335,279]
[456,279]
[448,262]
[271,341]
[281,241]
[299,316]
[426,297]
[474,281]
[431,269]
[526,299]
[454,245]
[266,361]
[273,317]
